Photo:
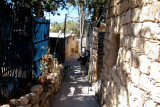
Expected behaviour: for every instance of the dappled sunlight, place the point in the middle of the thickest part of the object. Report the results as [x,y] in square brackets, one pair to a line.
[63,98]
[76,91]
[72,90]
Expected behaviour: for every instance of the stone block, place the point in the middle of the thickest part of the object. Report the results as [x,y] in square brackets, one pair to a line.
[123,96]
[43,97]
[127,41]
[126,30]
[150,51]
[118,9]
[123,77]
[126,17]
[155,94]
[144,64]
[35,105]
[28,105]
[5,105]
[135,76]
[23,100]
[130,85]
[135,98]
[126,67]
[122,52]
[52,88]
[115,29]
[148,13]
[117,80]
[136,29]
[133,3]
[14,102]
[112,12]
[134,59]
[124,6]
[155,71]
[149,103]
[33,98]
[145,83]
[135,15]
[127,56]
[37,89]
[46,103]
[150,29]
[138,44]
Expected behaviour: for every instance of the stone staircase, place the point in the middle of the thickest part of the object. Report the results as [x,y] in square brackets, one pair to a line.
[100,54]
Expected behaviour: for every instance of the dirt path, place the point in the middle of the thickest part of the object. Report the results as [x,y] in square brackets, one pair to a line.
[75,91]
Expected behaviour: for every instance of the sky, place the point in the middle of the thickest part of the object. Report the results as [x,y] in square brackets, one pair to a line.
[72,11]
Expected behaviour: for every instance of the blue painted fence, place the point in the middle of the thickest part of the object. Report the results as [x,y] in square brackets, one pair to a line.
[40,39]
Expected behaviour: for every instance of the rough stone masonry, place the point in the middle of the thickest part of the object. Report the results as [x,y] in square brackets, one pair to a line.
[131,61]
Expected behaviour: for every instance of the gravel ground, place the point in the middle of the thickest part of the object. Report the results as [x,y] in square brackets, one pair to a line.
[75,90]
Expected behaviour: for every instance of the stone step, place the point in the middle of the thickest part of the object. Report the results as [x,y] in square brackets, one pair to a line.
[99,62]
[100,58]
[99,66]
[100,49]
[100,44]
[100,55]
[101,39]
[99,70]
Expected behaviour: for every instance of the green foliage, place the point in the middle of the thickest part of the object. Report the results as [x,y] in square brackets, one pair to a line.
[70,26]
[96,8]
[57,27]
[42,5]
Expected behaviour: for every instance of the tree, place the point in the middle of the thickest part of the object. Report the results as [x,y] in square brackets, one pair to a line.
[98,13]
[89,7]
[71,26]
[56,27]
[40,6]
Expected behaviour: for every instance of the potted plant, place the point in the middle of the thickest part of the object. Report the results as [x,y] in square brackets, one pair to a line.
[46,64]
[44,69]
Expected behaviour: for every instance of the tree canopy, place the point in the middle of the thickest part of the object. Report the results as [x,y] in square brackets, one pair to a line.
[94,8]
[41,6]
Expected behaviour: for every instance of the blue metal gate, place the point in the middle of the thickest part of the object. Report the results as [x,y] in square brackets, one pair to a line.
[40,39]
[15,49]
[21,39]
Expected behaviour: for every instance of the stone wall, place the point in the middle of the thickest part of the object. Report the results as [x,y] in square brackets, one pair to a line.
[70,45]
[40,95]
[131,74]
[92,46]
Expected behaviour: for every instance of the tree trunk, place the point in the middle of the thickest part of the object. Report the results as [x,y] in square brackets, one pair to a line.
[39,9]
[80,14]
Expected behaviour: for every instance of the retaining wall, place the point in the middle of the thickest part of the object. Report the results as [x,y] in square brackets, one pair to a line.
[131,61]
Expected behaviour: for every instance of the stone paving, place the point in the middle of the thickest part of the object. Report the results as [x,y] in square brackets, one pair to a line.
[75,90]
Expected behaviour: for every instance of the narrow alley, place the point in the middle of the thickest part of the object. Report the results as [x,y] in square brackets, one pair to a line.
[75,90]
